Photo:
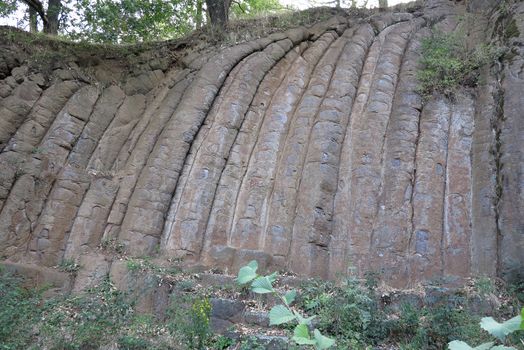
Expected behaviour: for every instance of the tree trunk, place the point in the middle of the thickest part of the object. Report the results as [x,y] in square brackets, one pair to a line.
[198,16]
[218,12]
[33,20]
[37,7]
[53,14]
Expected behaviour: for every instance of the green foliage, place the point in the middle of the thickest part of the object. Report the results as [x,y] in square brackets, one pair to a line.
[347,311]
[86,321]
[251,343]
[7,7]
[69,265]
[484,286]
[112,246]
[221,342]
[447,323]
[133,265]
[350,312]
[501,330]
[191,323]
[18,312]
[145,265]
[130,21]
[129,342]
[516,287]
[280,314]
[447,63]
[247,273]
[460,345]
[250,8]
[433,328]
[283,313]
[497,330]
[90,320]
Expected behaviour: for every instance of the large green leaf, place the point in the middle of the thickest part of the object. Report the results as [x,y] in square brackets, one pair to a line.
[322,342]
[500,330]
[522,318]
[262,285]
[502,347]
[301,335]
[247,273]
[253,264]
[280,314]
[460,345]
[302,319]
[272,277]
[290,296]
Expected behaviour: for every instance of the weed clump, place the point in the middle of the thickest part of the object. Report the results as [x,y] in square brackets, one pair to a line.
[353,313]
[348,311]
[18,312]
[448,63]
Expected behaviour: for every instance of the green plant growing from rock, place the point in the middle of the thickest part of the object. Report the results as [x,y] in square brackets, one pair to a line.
[190,319]
[283,313]
[448,63]
[496,329]
[69,266]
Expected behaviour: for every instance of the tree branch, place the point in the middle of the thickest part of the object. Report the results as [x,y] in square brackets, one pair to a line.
[239,5]
[39,8]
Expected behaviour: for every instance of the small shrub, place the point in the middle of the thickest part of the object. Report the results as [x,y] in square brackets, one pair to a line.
[251,343]
[448,63]
[484,286]
[185,285]
[222,342]
[134,265]
[112,245]
[446,323]
[88,320]
[128,342]
[500,331]
[283,313]
[145,265]
[19,310]
[190,319]
[69,266]
[348,312]
[408,327]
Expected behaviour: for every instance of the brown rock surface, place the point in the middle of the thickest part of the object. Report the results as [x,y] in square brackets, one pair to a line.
[309,150]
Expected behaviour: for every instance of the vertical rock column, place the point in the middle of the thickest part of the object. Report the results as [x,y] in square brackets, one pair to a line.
[215,250]
[22,147]
[45,239]
[392,225]
[144,219]
[457,202]
[312,221]
[279,206]
[429,193]
[149,128]
[509,137]
[360,173]
[187,232]
[251,201]
[484,226]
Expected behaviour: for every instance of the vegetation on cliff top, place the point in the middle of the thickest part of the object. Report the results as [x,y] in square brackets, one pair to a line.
[128,21]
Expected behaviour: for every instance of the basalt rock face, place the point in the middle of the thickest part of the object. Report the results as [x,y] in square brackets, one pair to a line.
[308,150]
